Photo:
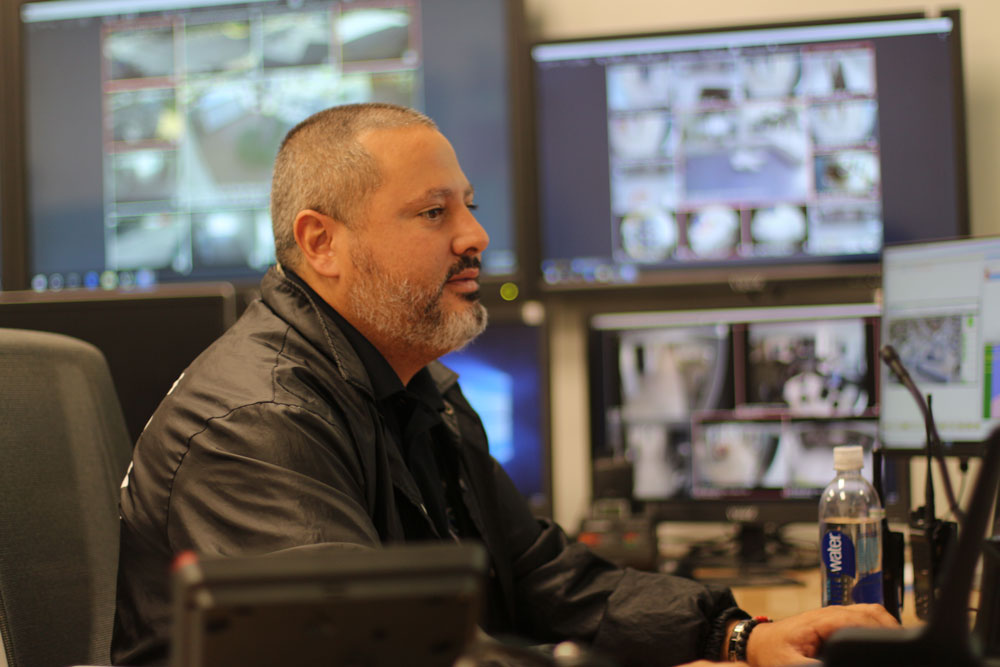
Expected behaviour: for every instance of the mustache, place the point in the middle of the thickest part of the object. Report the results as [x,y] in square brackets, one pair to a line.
[464,262]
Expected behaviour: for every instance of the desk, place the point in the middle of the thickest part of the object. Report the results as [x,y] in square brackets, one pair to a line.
[784,601]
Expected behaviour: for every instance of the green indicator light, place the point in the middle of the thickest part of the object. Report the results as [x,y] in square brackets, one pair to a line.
[509,291]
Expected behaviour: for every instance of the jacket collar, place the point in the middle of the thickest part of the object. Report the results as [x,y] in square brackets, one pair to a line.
[303,309]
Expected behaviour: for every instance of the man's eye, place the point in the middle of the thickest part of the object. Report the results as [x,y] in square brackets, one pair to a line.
[472,207]
[434,214]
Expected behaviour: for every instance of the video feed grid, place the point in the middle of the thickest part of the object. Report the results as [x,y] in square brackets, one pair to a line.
[196,106]
[742,153]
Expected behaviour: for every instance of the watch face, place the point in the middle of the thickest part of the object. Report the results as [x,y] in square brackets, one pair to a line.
[649,236]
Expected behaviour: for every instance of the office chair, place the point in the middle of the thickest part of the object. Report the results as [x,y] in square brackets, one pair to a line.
[64,450]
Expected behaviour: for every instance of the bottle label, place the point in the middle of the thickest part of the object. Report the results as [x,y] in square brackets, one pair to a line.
[852,563]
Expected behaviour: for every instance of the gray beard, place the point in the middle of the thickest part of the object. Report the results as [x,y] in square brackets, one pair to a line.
[398,311]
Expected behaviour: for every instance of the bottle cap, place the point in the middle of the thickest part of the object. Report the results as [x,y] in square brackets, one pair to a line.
[848,457]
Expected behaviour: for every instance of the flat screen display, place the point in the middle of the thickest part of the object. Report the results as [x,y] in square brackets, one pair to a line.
[739,406]
[783,151]
[152,127]
[941,306]
[502,374]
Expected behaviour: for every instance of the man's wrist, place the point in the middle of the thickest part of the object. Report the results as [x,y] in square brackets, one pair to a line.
[739,638]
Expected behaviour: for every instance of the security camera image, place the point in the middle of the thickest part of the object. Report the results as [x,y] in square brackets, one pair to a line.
[152,241]
[297,39]
[813,368]
[639,136]
[771,75]
[763,152]
[639,86]
[845,227]
[828,73]
[218,47]
[668,373]
[373,34]
[223,238]
[844,123]
[933,349]
[232,139]
[644,186]
[778,230]
[851,172]
[649,236]
[713,231]
[146,115]
[146,175]
[140,53]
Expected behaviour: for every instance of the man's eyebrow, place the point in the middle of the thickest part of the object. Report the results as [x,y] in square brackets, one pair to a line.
[438,193]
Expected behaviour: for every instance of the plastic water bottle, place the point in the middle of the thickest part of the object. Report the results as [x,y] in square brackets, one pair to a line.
[850,533]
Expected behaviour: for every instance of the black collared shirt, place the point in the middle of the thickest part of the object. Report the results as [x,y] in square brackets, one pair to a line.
[413,414]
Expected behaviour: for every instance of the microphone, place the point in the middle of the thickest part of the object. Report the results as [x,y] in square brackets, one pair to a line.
[930,538]
[895,364]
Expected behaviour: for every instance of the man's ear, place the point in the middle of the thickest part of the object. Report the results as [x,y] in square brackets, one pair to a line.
[319,237]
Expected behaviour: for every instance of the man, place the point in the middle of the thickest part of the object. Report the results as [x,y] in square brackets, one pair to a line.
[322,418]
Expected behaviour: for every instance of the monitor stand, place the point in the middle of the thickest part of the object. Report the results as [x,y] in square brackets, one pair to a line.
[756,555]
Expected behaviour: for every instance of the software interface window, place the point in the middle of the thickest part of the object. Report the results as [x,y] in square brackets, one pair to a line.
[195,105]
[753,151]
[940,315]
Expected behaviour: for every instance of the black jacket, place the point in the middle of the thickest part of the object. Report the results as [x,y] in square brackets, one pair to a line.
[271,440]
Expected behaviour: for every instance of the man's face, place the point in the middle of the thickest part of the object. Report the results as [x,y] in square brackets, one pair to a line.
[415,248]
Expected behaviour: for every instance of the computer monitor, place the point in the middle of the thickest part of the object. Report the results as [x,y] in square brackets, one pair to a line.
[148,337]
[503,374]
[941,313]
[773,152]
[150,129]
[731,415]
[399,605]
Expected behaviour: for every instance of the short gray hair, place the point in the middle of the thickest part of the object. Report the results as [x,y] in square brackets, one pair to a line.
[321,166]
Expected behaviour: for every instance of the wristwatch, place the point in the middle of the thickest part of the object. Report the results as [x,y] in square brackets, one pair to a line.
[738,638]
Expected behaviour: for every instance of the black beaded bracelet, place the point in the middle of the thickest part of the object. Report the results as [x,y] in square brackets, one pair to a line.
[740,636]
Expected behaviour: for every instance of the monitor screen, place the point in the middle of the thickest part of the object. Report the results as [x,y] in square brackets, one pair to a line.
[941,313]
[784,152]
[738,410]
[502,374]
[151,129]
[148,337]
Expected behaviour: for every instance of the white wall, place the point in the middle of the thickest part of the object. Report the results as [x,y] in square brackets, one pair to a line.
[578,18]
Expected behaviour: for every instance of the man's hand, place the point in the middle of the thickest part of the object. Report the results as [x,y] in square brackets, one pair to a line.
[798,639]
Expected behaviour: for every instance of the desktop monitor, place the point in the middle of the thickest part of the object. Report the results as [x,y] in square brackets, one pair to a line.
[503,374]
[150,129]
[941,313]
[731,415]
[414,605]
[781,152]
[148,337]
